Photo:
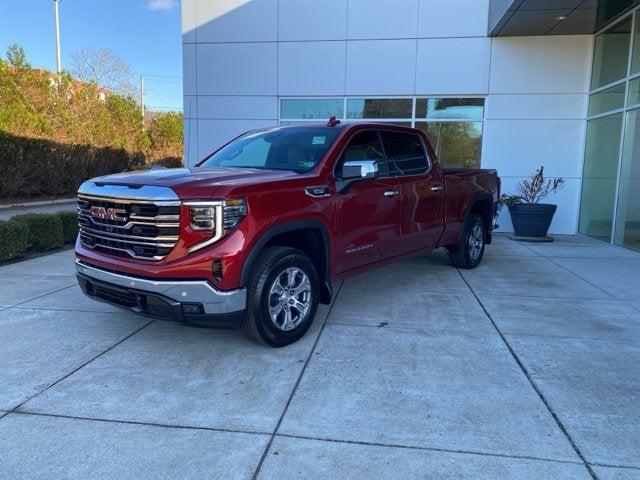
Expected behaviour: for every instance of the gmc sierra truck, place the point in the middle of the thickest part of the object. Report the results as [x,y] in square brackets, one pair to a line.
[258,232]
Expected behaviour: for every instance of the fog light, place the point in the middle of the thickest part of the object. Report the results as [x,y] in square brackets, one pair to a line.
[192,308]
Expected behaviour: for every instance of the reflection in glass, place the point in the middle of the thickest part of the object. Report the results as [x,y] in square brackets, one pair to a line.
[375,108]
[607,100]
[628,216]
[457,144]
[599,176]
[635,61]
[609,9]
[472,108]
[611,55]
[305,109]
[634,92]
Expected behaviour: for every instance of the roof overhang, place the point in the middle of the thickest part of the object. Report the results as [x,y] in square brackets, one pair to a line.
[553,17]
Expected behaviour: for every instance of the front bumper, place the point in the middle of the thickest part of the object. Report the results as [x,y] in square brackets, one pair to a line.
[191,301]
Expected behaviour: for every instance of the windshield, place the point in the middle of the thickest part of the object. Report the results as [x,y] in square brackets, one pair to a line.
[298,149]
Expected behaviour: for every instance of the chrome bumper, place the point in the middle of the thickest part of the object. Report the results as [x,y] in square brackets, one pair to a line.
[214,302]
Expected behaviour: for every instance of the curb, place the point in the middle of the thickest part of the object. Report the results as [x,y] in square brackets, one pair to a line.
[40,203]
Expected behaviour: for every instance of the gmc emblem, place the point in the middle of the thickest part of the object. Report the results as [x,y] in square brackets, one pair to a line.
[108,213]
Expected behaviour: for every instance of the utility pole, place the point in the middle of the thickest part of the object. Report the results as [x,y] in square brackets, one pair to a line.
[58,55]
[142,98]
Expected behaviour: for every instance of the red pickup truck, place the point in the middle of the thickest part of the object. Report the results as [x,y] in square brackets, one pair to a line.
[260,230]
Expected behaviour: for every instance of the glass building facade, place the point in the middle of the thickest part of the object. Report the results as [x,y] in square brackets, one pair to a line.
[610,200]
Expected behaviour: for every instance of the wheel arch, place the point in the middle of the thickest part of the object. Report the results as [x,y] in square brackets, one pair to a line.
[310,236]
[482,204]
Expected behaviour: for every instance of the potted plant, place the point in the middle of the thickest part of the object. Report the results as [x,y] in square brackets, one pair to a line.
[531,219]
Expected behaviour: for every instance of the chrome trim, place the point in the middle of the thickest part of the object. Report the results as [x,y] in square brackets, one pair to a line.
[98,190]
[83,213]
[157,217]
[309,191]
[150,244]
[213,300]
[129,201]
[127,251]
[118,236]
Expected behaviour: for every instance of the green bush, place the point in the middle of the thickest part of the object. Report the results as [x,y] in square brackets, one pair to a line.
[69,226]
[13,239]
[44,230]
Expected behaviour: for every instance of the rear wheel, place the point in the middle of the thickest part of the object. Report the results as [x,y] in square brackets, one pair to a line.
[282,297]
[469,251]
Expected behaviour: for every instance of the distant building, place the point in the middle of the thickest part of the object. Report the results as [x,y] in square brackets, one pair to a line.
[506,84]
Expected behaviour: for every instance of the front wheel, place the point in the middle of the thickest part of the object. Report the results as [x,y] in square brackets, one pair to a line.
[469,251]
[282,297]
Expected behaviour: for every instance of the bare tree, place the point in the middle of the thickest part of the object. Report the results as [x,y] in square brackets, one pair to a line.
[104,68]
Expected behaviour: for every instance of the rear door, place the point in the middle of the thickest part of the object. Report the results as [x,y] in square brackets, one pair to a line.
[368,213]
[421,188]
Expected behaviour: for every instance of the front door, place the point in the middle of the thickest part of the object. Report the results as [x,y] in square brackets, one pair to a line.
[368,212]
[422,190]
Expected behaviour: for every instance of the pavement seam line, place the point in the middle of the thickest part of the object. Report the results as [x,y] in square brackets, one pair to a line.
[608,465]
[535,387]
[135,422]
[570,271]
[43,295]
[430,449]
[15,409]
[263,457]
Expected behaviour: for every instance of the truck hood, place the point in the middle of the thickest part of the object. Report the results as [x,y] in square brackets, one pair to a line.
[195,181]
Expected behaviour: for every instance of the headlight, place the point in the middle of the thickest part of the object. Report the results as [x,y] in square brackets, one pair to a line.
[214,218]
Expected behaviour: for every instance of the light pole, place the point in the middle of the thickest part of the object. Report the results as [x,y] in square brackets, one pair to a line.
[58,55]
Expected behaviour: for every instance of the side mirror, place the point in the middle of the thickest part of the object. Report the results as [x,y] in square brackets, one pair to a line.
[354,171]
[359,170]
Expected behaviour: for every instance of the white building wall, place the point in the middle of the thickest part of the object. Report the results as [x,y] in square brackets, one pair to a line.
[240,56]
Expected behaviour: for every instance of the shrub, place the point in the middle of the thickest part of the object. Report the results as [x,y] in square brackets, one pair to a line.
[13,239]
[44,231]
[69,226]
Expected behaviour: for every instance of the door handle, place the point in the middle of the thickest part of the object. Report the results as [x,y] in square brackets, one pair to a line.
[391,193]
[436,188]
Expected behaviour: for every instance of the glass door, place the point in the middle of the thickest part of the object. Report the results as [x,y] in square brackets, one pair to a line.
[600,176]
[627,231]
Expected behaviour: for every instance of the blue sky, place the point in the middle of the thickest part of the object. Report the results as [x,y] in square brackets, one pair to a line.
[144,33]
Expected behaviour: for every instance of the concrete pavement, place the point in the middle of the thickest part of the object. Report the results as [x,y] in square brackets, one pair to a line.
[525,368]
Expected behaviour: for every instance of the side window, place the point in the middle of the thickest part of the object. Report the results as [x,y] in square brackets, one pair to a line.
[364,146]
[405,152]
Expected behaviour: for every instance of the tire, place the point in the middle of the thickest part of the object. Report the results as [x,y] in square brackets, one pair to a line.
[469,251]
[278,265]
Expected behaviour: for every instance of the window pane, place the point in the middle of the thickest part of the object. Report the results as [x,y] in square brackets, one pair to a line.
[635,61]
[628,221]
[379,108]
[634,92]
[599,177]
[611,55]
[364,146]
[609,9]
[405,152]
[472,108]
[606,100]
[296,148]
[320,109]
[457,144]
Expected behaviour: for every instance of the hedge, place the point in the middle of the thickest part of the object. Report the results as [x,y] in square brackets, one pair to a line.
[36,232]
[44,230]
[69,226]
[13,239]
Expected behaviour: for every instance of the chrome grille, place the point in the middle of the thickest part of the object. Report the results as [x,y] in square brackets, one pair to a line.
[131,228]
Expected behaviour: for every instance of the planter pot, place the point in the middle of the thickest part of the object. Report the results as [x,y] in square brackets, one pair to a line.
[531,219]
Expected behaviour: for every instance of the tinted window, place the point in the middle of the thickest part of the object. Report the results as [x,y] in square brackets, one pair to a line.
[405,152]
[298,149]
[364,146]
